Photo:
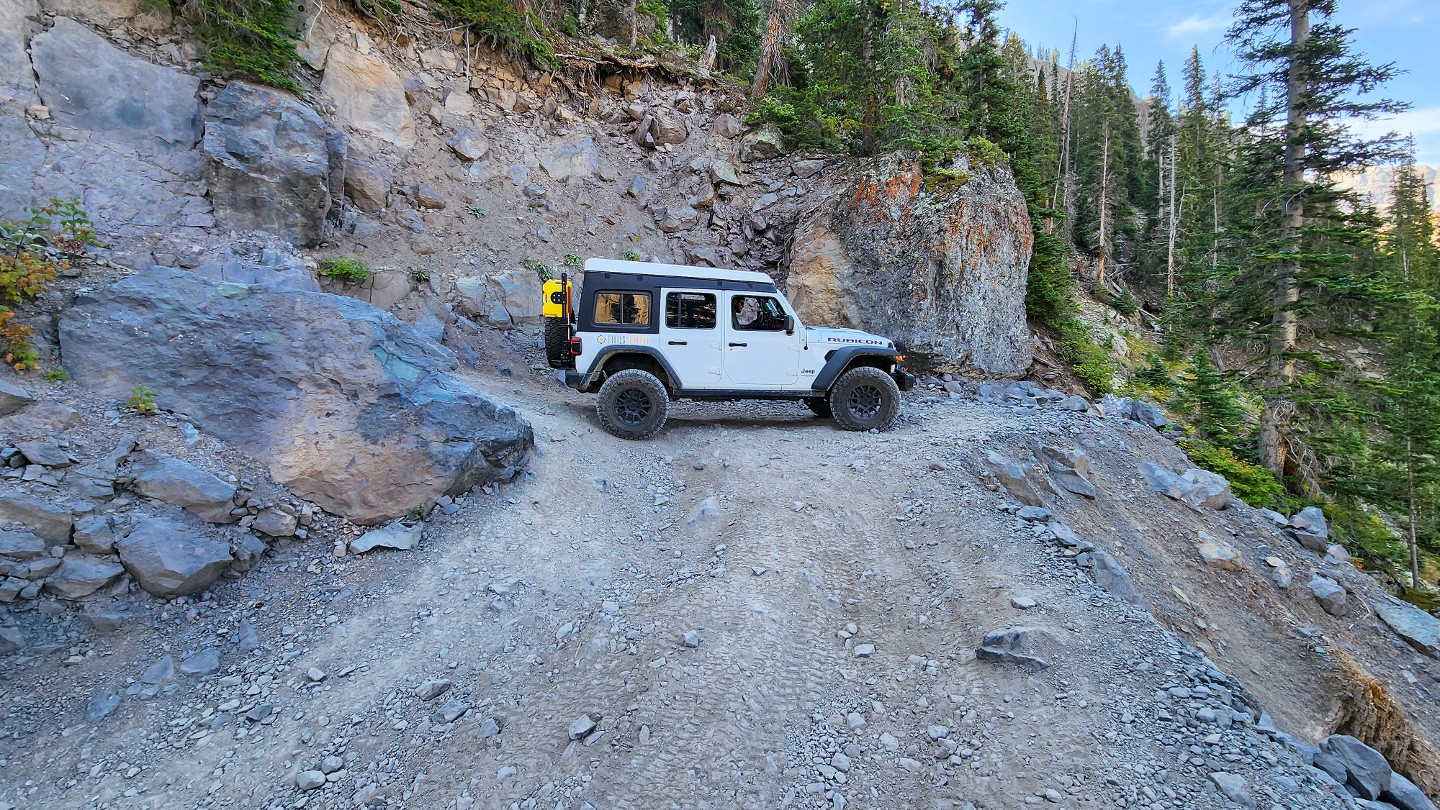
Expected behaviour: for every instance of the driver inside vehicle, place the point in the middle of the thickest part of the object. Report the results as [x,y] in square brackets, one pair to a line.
[747,311]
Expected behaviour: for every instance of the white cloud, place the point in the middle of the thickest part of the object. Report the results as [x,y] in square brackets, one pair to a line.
[1422,123]
[1195,25]
[1417,122]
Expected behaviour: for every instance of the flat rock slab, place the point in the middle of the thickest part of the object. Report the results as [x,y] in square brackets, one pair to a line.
[182,484]
[400,536]
[1018,645]
[1411,623]
[170,559]
[349,408]
[81,575]
[46,521]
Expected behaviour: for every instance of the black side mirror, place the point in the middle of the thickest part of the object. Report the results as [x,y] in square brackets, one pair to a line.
[789,324]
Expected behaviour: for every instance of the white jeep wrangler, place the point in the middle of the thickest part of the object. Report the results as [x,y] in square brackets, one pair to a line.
[643,334]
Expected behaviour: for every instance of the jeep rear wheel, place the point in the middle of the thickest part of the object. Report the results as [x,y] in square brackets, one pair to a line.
[633,404]
[557,343]
[865,398]
[820,405]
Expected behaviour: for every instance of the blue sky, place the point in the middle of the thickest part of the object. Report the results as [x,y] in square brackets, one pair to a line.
[1399,31]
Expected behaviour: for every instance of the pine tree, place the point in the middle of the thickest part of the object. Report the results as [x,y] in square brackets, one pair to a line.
[1294,48]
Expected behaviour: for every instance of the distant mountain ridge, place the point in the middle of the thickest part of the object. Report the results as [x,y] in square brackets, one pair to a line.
[1376,182]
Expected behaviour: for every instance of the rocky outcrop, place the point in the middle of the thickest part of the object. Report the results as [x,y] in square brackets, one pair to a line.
[368,96]
[942,272]
[348,407]
[270,161]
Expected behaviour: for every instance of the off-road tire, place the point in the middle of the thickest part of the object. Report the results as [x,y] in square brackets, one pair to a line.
[820,405]
[633,404]
[557,343]
[865,398]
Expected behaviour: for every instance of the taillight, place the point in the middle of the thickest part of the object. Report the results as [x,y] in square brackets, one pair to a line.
[576,349]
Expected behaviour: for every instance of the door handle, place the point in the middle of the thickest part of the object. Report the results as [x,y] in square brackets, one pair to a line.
[733,345]
[679,343]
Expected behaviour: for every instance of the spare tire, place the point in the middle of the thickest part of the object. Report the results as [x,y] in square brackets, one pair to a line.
[557,343]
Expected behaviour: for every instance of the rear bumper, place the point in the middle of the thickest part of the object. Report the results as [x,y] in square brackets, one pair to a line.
[903,379]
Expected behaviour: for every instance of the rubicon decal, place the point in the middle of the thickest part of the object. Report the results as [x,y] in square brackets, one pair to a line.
[833,339]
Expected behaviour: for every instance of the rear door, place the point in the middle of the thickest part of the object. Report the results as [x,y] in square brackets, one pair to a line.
[758,352]
[691,336]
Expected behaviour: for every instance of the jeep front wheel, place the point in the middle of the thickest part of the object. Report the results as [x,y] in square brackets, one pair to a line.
[633,404]
[865,398]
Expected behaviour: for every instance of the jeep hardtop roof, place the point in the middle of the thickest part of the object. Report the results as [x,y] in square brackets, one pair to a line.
[672,270]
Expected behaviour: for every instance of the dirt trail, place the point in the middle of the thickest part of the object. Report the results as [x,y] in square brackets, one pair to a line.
[762,530]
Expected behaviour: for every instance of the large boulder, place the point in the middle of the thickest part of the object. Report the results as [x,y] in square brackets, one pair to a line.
[169,559]
[270,159]
[349,407]
[368,96]
[1365,768]
[941,272]
[182,484]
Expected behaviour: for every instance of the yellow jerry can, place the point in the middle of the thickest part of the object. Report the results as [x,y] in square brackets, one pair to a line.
[555,293]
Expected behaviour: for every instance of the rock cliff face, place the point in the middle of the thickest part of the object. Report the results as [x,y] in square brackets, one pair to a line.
[941,272]
[347,406]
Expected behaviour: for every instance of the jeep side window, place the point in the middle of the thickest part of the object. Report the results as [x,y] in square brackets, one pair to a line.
[757,313]
[622,308]
[689,310]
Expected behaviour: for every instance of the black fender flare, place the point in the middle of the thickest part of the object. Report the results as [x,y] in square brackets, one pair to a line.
[841,359]
[603,356]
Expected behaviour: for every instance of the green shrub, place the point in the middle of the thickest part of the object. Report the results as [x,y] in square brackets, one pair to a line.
[251,39]
[57,374]
[33,251]
[505,28]
[1251,483]
[1091,362]
[345,268]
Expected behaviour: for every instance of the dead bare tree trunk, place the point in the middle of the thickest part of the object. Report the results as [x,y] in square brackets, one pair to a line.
[1062,174]
[769,48]
[1173,219]
[707,60]
[633,14]
[1104,201]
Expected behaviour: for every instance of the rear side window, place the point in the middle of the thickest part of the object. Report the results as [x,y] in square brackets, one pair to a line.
[622,308]
[689,310]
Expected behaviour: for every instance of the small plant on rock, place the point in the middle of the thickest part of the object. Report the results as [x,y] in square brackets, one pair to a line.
[474,211]
[142,401]
[574,260]
[33,251]
[345,268]
[537,267]
[419,275]
[57,374]
[632,256]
